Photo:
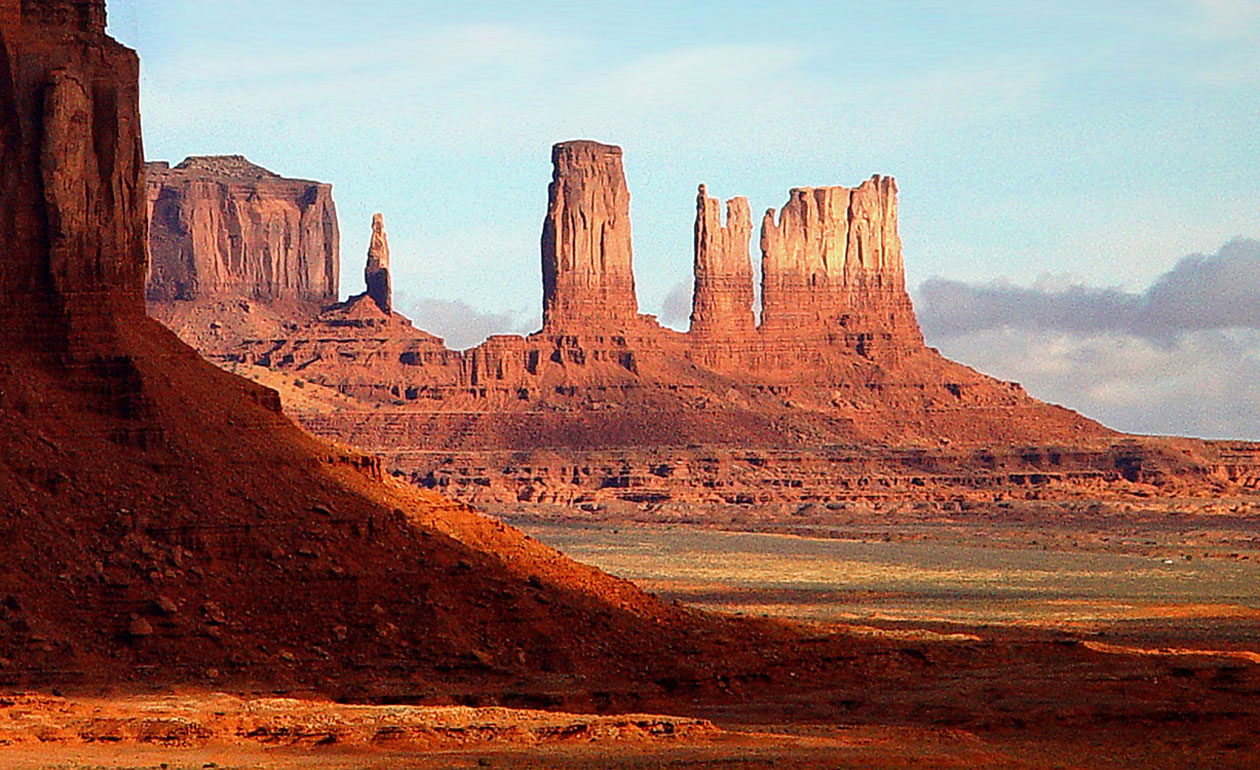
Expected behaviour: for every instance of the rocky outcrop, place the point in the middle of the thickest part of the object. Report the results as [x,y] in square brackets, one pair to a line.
[222,227]
[588,281]
[832,267]
[376,274]
[722,300]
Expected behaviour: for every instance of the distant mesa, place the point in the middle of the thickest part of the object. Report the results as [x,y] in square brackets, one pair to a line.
[223,227]
[832,397]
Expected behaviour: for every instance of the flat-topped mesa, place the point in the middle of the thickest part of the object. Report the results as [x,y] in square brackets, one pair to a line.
[376,274]
[588,281]
[222,227]
[832,264]
[71,216]
[722,301]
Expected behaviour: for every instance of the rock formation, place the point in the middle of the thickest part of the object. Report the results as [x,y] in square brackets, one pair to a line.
[163,529]
[834,398]
[376,274]
[832,265]
[222,227]
[69,211]
[161,522]
[722,302]
[588,282]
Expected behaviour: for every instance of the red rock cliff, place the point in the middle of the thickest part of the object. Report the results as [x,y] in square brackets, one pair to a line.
[588,282]
[72,227]
[832,264]
[224,227]
[722,303]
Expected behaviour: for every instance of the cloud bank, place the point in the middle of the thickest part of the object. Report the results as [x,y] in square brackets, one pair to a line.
[1181,357]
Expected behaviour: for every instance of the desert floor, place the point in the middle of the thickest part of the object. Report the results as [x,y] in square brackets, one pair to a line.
[1186,589]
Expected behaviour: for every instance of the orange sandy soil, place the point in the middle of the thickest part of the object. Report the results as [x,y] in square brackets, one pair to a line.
[222,732]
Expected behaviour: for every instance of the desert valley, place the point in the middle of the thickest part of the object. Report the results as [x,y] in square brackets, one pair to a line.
[248,524]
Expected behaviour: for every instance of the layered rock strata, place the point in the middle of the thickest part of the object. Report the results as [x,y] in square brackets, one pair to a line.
[588,281]
[222,227]
[834,393]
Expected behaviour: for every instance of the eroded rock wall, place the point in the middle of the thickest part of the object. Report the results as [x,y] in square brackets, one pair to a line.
[588,280]
[222,227]
[832,269]
[72,227]
[722,300]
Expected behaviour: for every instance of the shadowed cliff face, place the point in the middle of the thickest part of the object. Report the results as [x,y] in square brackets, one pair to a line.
[74,220]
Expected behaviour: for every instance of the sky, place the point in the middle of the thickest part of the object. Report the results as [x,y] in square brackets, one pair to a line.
[1043,149]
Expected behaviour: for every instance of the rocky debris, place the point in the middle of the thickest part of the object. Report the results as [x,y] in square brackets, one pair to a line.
[376,274]
[588,282]
[222,227]
[722,303]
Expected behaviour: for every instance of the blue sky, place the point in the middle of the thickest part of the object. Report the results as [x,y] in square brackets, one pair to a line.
[1097,142]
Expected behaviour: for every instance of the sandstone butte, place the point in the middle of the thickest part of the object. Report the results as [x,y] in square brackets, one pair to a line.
[831,402]
[163,526]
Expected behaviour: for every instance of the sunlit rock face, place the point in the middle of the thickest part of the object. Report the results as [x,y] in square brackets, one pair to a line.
[222,227]
[588,281]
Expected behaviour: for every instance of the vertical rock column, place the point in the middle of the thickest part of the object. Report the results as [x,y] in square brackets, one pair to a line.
[588,281]
[376,273]
[722,302]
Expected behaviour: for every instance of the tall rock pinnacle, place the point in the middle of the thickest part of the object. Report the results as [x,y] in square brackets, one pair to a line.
[722,303]
[376,273]
[586,259]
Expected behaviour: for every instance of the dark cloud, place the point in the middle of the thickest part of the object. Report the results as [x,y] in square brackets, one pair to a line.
[676,309]
[1182,357]
[1201,293]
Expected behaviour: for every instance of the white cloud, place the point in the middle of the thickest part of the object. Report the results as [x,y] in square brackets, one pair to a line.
[1181,357]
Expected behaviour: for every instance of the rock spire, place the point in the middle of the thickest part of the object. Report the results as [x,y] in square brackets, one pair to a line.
[379,287]
[722,302]
[586,257]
